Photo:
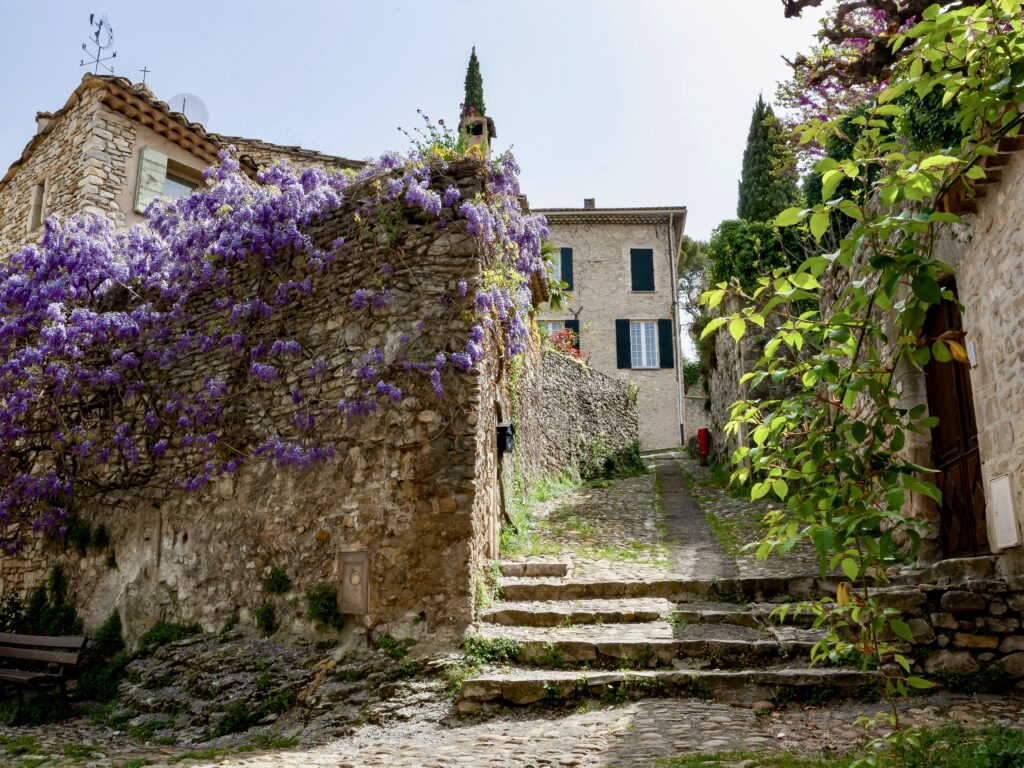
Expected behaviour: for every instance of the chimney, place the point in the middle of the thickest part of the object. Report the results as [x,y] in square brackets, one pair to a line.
[42,120]
[588,203]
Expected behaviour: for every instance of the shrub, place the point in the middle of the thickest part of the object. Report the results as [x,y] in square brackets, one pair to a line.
[277,582]
[164,632]
[266,619]
[322,605]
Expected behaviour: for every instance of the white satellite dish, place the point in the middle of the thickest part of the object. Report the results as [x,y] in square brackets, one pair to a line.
[191,106]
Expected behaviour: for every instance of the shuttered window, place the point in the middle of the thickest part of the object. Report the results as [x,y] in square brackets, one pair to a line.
[565,258]
[641,265]
[643,344]
[574,326]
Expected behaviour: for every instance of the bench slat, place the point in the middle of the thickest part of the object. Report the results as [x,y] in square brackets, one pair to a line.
[30,654]
[7,638]
[20,676]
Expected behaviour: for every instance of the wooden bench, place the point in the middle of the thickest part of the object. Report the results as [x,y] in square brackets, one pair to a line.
[44,661]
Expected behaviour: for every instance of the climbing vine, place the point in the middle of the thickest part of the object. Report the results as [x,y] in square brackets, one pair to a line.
[100,328]
[834,450]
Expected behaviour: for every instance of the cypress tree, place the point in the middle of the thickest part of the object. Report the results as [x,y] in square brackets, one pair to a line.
[767,184]
[474,87]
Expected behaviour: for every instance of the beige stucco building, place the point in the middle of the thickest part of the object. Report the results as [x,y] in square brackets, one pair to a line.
[620,266]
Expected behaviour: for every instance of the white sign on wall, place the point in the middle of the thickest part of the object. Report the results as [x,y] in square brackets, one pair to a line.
[1004,518]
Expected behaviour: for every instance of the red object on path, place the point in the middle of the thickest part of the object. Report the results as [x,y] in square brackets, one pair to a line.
[704,444]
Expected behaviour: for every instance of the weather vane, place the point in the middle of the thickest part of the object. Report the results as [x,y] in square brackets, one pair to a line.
[103,38]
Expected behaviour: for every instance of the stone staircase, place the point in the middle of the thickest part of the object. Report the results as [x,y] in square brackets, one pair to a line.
[576,638]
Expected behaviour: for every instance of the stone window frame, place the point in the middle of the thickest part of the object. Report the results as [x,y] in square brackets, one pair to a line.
[646,354]
[37,200]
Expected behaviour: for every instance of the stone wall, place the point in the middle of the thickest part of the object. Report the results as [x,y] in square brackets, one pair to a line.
[990,281]
[61,163]
[580,406]
[414,485]
[966,618]
[695,415]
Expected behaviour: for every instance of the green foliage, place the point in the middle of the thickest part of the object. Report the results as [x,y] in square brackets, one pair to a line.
[164,632]
[748,250]
[277,582]
[266,619]
[229,623]
[322,606]
[100,682]
[768,181]
[108,640]
[927,123]
[47,611]
[600,462]
[474,98]
[691,373]
[833,451]
[950,746]
[481,650]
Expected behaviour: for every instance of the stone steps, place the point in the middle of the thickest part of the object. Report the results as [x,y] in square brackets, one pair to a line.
[779,686]
[653,644]
[560,613]
[516,568]
[737,590]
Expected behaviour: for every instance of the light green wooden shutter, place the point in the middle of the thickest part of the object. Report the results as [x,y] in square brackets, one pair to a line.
[152,172]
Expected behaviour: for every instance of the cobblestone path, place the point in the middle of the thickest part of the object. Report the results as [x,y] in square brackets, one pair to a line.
[637,631]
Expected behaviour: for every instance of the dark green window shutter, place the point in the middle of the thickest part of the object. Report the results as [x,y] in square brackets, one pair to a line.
[666,344]
[641,263]
[623,355]
[574,326]
[567,268]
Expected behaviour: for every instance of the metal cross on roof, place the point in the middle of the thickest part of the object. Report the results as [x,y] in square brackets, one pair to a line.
[102,38]
[144,72]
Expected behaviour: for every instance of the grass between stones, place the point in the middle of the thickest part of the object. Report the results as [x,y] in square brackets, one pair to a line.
[949,746]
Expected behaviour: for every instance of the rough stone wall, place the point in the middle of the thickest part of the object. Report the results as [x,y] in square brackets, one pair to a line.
[414,485]
[695,417]
[579,406]
[990,281]
[602,294]
[265,155]
[66,164]
[965,617]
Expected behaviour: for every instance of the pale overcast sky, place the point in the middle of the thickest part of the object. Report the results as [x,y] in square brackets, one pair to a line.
[632,102]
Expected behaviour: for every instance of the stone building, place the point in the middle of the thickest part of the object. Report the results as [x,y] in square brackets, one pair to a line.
[620,268]
[110,150]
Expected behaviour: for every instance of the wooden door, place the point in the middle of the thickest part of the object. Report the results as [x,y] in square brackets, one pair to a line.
[955,444]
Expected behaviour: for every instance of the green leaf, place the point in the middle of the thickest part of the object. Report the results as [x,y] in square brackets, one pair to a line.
[941,352]
[926,288]
[850,568]
[829,183]
[919,682]
[737,327]
[819,224]
[781,488]
[789,217]
[711,327]
[938,161]
[902,630]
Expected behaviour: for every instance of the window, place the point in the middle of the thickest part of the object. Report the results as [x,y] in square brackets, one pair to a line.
[37,209]
[643,343]
[562,267]
[641,267]
[160,177]
[176,186]
[550,327]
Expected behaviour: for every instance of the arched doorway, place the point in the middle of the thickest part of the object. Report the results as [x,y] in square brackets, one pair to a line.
[955,441]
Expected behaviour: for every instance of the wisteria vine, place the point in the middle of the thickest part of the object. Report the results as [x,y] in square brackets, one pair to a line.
[102,330]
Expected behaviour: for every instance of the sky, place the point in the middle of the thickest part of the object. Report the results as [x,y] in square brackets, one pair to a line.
[630,102]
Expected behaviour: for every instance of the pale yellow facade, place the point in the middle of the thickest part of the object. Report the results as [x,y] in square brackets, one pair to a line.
[602,240]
